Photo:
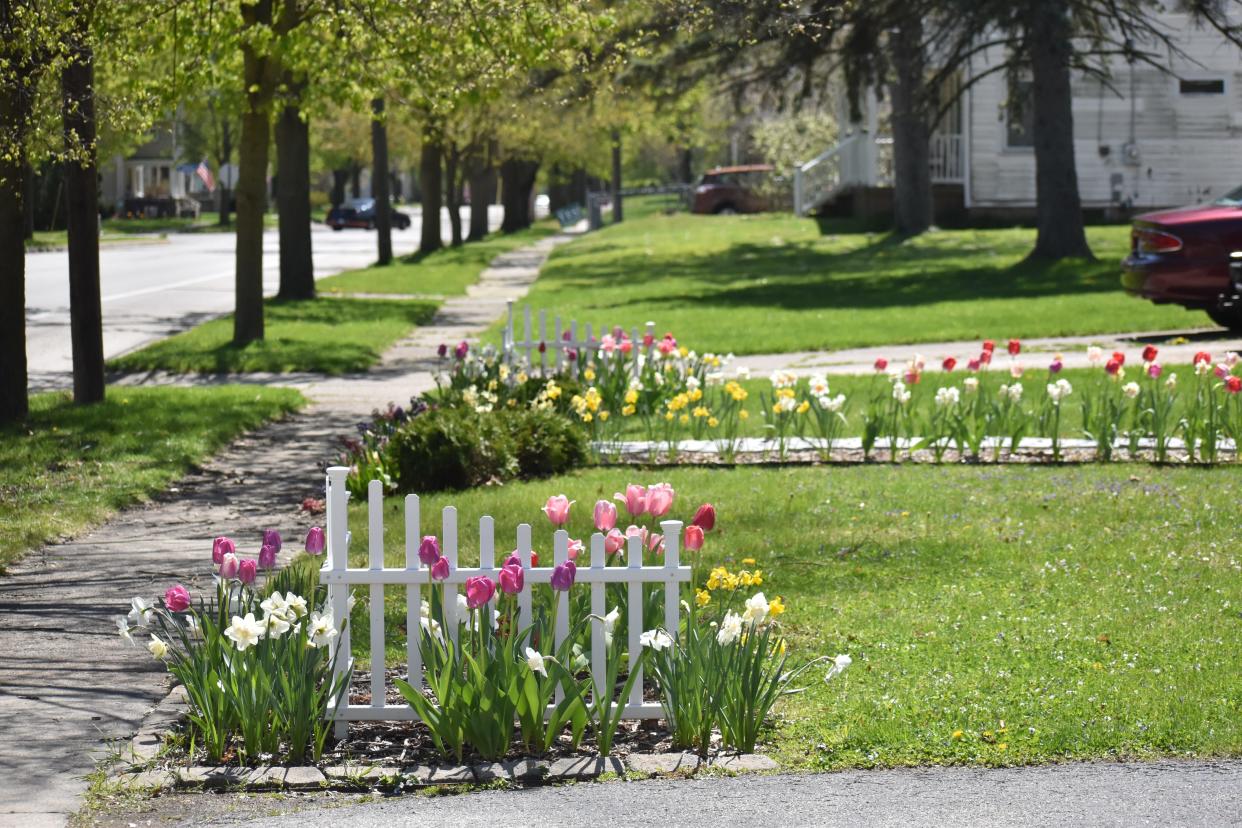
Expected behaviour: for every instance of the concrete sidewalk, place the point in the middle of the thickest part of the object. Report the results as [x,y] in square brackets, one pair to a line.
[68,683]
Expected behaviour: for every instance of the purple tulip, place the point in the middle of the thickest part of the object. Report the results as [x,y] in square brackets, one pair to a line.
[479,590]
[267,556]
[563,576]
[315,541]
[442,351]
[440,570]
[220,548]
[512,578]
[462,349]
[271,538]
[228,566]
[429,550]
[246,571]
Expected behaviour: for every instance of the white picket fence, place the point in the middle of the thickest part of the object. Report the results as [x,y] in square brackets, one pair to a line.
[548,349]
[340,579]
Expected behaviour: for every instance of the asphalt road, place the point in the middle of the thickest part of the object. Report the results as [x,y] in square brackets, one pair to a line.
[1156,794]
[156,288]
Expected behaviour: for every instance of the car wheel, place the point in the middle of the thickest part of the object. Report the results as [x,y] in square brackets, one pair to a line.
[336,228]
[726,210]
[1230,318]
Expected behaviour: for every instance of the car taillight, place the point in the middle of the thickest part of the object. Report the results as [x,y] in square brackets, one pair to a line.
[1155,241]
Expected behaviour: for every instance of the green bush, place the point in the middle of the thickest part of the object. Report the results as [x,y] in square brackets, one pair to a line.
[545,443]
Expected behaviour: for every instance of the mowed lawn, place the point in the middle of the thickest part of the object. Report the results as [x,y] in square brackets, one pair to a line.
[325,335]
[776,283]
[69,467]
[994,615]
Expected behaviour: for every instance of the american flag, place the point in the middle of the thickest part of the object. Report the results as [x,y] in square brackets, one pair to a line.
[204,172]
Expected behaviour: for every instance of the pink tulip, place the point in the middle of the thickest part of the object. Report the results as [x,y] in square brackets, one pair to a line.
[247,572]
[655,543]
[557,509]
[228,566]
[479,590]
[575,549]
[635,499]
[1222,370]
[607,343]
[177,598]
[315,541]
[220,548]
[1016,370]
[512,578]
[973,365]
[660,499]
[462,349]
[605,515]
[1056,366]
[267,556]
[639,532]
[614,541]
[563,576]
[440,570]
[1154,370]
[705,517]
[694,538]
[272,538]
[429,550]
[626,346]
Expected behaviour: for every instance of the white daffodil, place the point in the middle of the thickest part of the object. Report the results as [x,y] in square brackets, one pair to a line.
[320,632]
[743,372]
[138,609]
[296,604]
[122,627]
[838,667]
[818,386]
[947,396]
[970,384]
[244,632]
[656,640]
[730,629]
[1171,382]
[756,609]
[275,625]
[274,604]
[610,623]
[157,647]
[535,661]
[1130,389]
[192,627]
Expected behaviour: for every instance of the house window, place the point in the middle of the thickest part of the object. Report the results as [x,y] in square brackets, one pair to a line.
[1020,117]
[1201,86]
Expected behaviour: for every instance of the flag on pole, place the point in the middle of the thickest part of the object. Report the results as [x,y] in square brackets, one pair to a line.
[204,172]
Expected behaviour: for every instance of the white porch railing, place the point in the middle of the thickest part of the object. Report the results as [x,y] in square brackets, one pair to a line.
[340,579]
[947,159]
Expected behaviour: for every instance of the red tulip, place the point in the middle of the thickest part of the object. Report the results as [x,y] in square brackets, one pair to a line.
[1015,347]
[1149,353]
[1119,357]
[1112,367]
[1201,356]
[989,346]
[986,357]
[881,365]
[694,538]
[949,363]
[973,365]
[705,517]
[1233,384]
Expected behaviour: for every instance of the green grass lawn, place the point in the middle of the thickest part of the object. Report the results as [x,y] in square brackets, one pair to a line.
[775,283]
[70,467]
[59,239]
[994,615]
[330,336]
[446,272]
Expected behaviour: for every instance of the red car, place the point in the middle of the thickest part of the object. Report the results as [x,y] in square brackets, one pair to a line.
[727,190]
[1181,257]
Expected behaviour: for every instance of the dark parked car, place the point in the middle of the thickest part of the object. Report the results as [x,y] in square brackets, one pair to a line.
[1181,257]
[726,190]
[360,212]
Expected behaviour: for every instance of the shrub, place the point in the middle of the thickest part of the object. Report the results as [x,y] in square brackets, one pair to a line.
[545,443]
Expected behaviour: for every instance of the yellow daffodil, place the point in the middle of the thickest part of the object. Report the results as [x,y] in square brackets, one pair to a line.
[702,597]
[775,607]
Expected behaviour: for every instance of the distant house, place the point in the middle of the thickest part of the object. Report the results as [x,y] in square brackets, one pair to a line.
[1154,139]
[155,181]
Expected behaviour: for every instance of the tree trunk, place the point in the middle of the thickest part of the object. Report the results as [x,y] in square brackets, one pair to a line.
[685,166]
[297,268]
[339,179]
[1058,208]
[432,187]
[355,180]
[618,215]
[482,190]
[224,157]
[912,187]
[380,182]
[77,81]
[15,106]
[518,180]
[29,190]
[452,191]
[256,129]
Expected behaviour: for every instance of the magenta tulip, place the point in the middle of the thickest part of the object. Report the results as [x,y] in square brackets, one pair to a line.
[705,517]
[462,349]
[563,576]
[220,548]
[557,509]
[429,550]
[659,499]
[267,556]
[228,566]
[246,571]
[316,542]
[614,541]
[440,570]
[605,515]
[635,499]
[694,538]
[479,590]
[512,578]
[272,538]
[177,598]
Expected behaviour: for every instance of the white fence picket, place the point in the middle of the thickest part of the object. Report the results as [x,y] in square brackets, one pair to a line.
[634,555]
[413,592]
[375,558]
[599,653]
[448,540]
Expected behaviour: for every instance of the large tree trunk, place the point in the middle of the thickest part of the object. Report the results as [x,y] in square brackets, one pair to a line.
[452,191]
[1058,208]
[256,129]
[29,190]
[518,180]
[15,107]
[297,269]
[355,180]
[482,172]
[685,166]
[618,215]
[81,180]
[912,186]
[224,157]
[380,181]
[339,179]
[432,187]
